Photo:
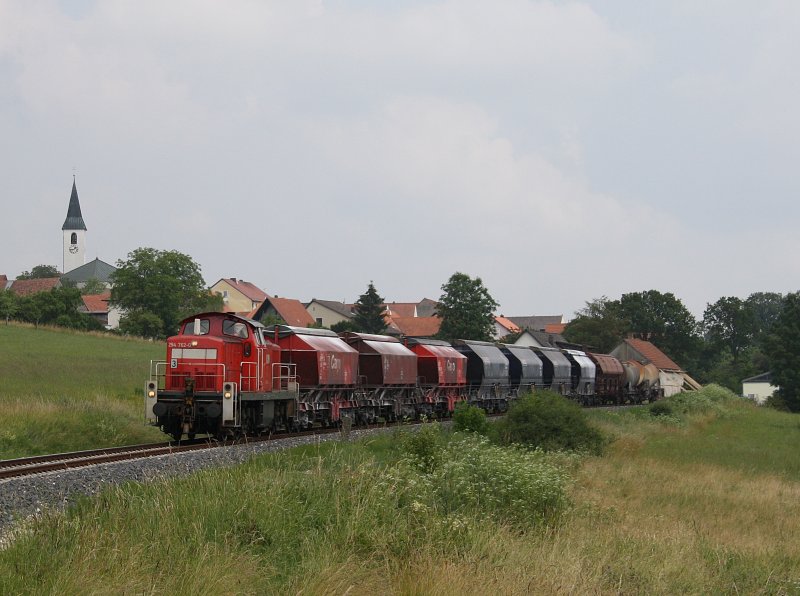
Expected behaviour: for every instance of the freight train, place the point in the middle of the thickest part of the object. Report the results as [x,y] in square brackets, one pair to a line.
[227,375]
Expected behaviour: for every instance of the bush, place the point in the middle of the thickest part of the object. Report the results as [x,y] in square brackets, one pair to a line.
[471,477]
[660,408]
[467,418]
[423,449]
[548,421]
[711,398]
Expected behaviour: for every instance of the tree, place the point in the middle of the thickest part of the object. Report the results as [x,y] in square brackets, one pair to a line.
[765,307]
[142,323]
[56,307]
[166,284]
[8,305]
[344,326]
[597,325]
[93,286]
[39,272]
[782,347]
[728,325]
[664,320]
[369,311]
[466,309]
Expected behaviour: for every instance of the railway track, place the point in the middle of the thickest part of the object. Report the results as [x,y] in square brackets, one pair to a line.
[28,466]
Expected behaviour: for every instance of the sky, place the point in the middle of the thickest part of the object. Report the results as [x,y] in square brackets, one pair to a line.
[560,151]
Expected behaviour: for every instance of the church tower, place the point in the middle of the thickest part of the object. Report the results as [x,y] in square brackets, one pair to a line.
[74,233]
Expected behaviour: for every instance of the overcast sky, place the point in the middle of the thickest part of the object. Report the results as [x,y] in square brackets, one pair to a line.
[561,151]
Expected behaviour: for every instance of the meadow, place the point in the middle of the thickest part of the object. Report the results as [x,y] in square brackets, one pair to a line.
[698,500]
[62,390]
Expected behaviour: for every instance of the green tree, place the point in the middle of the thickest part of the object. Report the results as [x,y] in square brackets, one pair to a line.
[782,347]
[93,286]
[8,305]
[728,325]
[369,311]
[56,307]
[344,326]
[466,309]
[40,272]
[166,284]
[662,319]
[765,307]
[597,325]
[142,323]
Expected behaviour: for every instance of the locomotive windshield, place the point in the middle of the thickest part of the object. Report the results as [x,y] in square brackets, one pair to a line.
[234,328]
[202,329]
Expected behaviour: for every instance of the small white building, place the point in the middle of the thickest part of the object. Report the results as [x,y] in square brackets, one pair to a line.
[758,388]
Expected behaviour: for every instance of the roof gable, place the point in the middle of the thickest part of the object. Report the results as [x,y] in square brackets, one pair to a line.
[245,288]
[339,308]
[292,311]
[507,325]
[652,354]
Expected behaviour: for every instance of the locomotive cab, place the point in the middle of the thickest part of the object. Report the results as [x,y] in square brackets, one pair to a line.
[222,377]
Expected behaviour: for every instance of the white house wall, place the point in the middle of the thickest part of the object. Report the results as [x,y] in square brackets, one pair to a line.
[758,392]
[671,382]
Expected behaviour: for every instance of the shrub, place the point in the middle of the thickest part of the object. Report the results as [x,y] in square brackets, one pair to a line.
[710,399]
[474,478]
[423,449]
[467,418]
[548,421]
[660,408]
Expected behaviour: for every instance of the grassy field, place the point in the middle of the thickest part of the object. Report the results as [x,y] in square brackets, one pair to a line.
[62,390]
[699,503]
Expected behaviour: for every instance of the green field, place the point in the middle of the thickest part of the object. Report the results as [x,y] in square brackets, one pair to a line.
[62,390]
[700,503]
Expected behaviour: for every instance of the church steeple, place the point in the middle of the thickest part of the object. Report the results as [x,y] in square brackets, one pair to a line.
[74,233]
[74,219]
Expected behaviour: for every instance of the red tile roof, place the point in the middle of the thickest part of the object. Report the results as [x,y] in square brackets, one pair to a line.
[26,287]
[292,311]
[555,328]
[418,326]
[401,309]
[249,290]
[96,303]
[653,354]
[508,325]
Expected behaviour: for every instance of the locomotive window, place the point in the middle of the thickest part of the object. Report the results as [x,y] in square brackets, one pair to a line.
[234,328]
[188,329]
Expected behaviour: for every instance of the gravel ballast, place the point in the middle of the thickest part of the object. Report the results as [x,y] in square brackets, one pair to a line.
[24,497]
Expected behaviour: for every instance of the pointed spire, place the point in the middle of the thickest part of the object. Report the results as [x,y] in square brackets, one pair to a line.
[74,219]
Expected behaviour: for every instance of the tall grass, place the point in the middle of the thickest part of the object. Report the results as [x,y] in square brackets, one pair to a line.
[321,519]
[63,390]
[663,511]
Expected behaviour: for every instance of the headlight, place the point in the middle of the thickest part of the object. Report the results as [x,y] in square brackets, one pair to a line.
[227,395]
[151,393]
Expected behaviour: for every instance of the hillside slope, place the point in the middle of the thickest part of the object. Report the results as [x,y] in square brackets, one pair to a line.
[62,390]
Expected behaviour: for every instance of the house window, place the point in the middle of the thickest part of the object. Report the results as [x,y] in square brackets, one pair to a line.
[74,238]
[319,321]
